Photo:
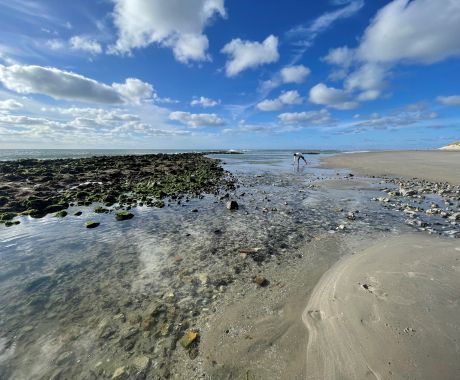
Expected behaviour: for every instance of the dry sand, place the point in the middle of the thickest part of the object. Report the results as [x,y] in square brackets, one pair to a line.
[391,311]
[431,165]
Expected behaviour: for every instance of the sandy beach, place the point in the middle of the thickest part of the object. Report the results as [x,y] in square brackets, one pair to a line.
[433,165]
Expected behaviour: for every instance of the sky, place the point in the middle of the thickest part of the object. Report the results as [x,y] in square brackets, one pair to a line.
[229,74]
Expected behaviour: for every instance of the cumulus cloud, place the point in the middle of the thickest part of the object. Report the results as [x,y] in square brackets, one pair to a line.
[85,44]
[286,98]
[403,31]
[342,56]
[10,104]
[204,102]
[453,100]
[294,74]
[196,120]
[175,24]
[67,85]
[250,54]
[332,97]
[89,125]
[369,79]
[423,31]
[314,117]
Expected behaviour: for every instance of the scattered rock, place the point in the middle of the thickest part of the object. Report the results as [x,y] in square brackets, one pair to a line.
[124,215]
[232,205]
[141,363]
[120,374]
[61,214]
[190,337]
[261,281]
[92,224]
[78,213]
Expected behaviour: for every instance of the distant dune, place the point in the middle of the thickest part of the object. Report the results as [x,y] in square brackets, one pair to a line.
[453,146]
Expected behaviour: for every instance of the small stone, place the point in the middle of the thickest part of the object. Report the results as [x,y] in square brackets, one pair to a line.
[141,363]
[190,337]
[123,215]
[261,281]
[61,214]
[119,374]
[92,224]
[78,213]
[232,205]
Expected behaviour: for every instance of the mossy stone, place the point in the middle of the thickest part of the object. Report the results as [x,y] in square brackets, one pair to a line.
[92,224]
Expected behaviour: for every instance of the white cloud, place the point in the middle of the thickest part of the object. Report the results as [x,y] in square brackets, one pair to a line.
[67,85]
[342,56]
[369,78]
[269,105]
[423,31]
[86,44]
[195,120]
[176,24]
[332,97]
[10,104]
[314,117]
[294,74]
[55,44]
[205,102]
[403,31]
[286,98]
[134,90]
[250,54]
[324,22]
[453,100]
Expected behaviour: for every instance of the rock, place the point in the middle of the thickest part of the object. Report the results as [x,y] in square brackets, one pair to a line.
[232,205]
[123,215]
[351,216]
[61,214]
[190,337]
[120,374]
[261,281]
[101,210]
[78,213]
[407,192]
[141,363]
[455,216]
[92,224]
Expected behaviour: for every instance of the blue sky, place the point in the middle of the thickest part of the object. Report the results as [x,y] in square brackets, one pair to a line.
[346,74]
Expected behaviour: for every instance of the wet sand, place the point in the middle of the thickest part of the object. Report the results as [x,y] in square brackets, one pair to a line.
[429,165]
[388,312]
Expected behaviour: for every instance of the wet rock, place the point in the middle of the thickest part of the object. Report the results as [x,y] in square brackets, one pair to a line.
[123,215]
[78,213]
[120,374]
[261,281]
[455,216]
[189,338]
[61,214]
[232,205]
[101,210]
[141,363]
[92,224]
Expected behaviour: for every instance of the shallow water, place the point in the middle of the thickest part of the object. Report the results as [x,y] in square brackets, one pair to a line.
[75,303]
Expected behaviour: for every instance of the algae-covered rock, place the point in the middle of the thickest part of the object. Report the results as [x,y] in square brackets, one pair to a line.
[92,224]
[158,204]
[190,337]
[6,216]
[123,215]
[11,223]
[101,210]
[61,214]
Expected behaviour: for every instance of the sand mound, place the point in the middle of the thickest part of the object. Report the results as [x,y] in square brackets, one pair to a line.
[391,311]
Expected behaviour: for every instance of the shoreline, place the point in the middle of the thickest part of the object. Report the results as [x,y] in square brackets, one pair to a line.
[433,165]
